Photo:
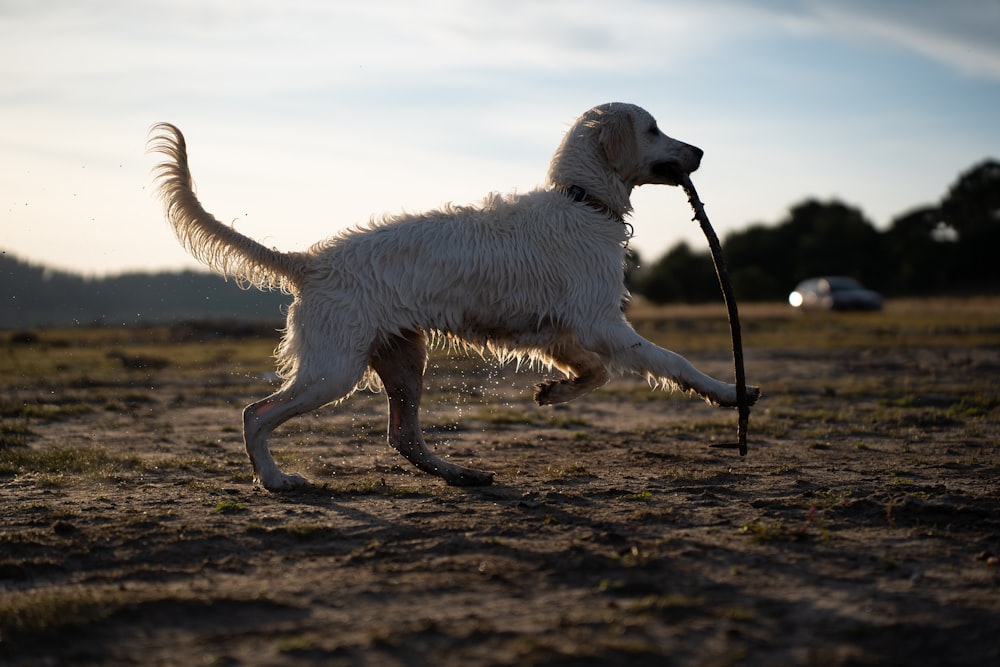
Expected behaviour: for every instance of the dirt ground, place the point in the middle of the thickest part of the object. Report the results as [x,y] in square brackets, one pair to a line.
[862,528]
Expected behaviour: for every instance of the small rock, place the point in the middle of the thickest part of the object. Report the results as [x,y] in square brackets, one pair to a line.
[63,527]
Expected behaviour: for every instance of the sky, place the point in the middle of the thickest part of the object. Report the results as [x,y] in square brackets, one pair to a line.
[306,117]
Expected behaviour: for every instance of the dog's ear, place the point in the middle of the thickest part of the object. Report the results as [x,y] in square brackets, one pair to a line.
[616,134]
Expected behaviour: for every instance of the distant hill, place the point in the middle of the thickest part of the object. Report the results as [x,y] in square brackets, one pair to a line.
[35,296]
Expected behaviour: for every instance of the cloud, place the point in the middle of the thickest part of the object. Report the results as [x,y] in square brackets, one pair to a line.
[960,35]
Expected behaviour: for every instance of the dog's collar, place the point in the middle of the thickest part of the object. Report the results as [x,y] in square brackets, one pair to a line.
[578,194]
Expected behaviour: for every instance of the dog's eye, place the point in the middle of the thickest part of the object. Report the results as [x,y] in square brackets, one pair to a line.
[653,129]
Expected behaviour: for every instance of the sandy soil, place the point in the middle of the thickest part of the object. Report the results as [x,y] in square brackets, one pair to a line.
[861,529]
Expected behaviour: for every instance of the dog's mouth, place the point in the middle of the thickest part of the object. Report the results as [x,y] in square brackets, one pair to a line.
[669,172]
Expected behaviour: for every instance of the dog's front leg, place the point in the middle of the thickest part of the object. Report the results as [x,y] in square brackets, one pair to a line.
[400,365]
[631,351]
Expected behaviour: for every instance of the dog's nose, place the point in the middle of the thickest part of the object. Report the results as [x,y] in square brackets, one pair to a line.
[695,160]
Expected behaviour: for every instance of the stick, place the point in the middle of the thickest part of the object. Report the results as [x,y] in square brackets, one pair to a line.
[734,316]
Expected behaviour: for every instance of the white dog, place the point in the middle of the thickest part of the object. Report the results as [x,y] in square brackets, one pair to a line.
[528,276]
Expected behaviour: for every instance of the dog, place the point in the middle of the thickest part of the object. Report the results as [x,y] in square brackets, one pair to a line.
[532,277]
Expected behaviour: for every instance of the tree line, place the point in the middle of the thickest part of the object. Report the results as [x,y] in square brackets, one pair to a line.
[35,296]
[947,248]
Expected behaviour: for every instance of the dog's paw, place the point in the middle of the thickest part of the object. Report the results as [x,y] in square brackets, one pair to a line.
[282,482]
[728,399]
[551,392]
[753,393]
[542,390]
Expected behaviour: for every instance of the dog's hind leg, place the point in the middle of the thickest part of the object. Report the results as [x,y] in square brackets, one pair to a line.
[261,418]
[585,369]
[399,362]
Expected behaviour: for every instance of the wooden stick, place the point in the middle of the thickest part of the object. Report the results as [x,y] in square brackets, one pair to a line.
[734,316]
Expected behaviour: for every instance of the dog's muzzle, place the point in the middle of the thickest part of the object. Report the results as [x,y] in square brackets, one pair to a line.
[673,171]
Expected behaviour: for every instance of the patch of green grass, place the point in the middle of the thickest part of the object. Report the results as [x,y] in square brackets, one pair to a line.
[707,426]
[241,475]
[775,531]
[764,532]
[973,406]
[908,401]
[14,433]
[576,470]
[87,461]
[739,613]
[610,585]
[34,611]
[378,486]
[778,531]
[662,602]
[641,496]
[295,644]
[825,498]
[229,507]
[898,481]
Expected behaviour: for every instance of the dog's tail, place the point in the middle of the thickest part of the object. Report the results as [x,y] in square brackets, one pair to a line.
[220,247]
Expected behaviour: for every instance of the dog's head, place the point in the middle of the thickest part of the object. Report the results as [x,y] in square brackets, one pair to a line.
[635,147]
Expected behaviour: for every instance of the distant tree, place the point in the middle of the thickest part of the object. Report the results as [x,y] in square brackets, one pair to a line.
[33,296]
[835,239]
[922,258]
[760,262]
[972,208]
[681,275]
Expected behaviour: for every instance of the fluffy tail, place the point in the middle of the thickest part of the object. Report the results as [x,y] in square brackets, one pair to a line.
[220,247]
